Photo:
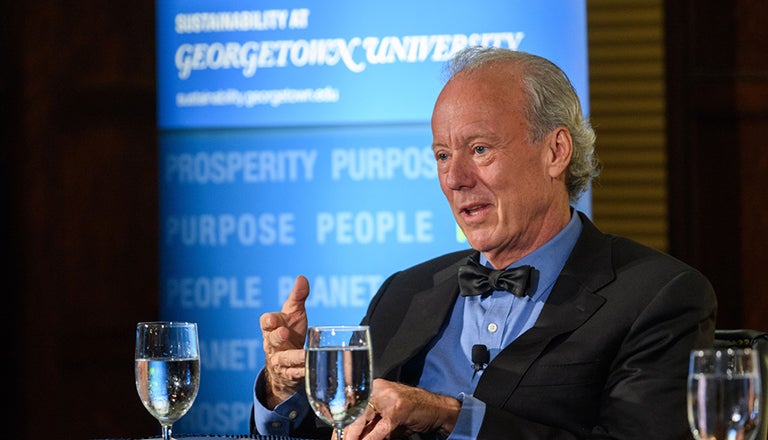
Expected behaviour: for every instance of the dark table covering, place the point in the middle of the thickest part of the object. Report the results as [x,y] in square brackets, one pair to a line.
[213,436]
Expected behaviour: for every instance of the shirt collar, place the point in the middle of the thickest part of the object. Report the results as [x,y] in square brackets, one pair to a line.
[549,259]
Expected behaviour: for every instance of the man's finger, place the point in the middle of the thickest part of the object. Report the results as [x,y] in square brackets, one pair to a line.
[297,297]
[280,338]
[268,322]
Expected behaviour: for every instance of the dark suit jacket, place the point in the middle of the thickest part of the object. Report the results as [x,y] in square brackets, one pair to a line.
[607,357]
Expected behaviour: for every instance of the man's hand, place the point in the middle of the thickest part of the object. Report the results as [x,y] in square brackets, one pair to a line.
[284,333]
[400,410]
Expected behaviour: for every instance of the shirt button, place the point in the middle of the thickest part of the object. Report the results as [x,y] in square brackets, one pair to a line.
[292,415]
[492,327]
[276,424]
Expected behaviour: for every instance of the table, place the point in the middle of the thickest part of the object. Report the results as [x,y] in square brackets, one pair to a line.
[213,437]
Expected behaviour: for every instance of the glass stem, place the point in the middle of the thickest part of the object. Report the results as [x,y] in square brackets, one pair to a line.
[167,432]
[339,433]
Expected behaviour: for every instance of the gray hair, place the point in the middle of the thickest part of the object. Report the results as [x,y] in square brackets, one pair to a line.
[552,103]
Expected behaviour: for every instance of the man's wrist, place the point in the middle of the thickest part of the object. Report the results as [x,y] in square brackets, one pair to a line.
[449,416]
[275,393]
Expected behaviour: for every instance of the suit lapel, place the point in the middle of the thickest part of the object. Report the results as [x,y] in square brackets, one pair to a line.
[571,302]
[426,315]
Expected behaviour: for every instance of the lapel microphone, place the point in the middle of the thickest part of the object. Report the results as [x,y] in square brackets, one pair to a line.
[480,357]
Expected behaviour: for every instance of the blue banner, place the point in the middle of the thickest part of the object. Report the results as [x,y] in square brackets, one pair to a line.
[224,64]
[295,139]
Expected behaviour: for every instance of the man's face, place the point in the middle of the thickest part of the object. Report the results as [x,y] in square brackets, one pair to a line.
[502,189]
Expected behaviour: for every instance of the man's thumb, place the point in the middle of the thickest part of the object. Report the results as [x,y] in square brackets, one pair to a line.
[298,295]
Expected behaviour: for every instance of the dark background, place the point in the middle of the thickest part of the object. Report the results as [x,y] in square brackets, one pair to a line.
[79,170]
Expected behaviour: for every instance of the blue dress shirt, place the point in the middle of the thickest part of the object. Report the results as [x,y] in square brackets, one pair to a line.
[494,321]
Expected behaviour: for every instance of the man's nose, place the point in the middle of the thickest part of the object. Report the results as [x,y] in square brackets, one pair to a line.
[460,174]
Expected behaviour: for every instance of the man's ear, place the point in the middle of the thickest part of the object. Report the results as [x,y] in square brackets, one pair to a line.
[560,151]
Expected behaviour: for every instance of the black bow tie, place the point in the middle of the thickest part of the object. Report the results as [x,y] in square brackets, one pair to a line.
[476,279]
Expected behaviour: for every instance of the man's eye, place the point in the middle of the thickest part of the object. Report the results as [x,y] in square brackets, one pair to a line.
[480,149]
[441,156]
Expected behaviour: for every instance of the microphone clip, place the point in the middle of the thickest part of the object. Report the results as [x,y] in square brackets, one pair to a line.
[480,357]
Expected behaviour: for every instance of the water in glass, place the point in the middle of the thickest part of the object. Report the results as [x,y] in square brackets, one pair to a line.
[167,370]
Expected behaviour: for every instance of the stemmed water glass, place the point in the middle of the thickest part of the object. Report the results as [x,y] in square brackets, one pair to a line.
[724,393]
[167,369]
[339,372]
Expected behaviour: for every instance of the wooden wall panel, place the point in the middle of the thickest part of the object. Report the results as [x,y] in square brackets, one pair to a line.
[626,63]
[717,81]
[83,211]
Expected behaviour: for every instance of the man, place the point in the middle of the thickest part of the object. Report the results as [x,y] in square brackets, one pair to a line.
[594,344]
